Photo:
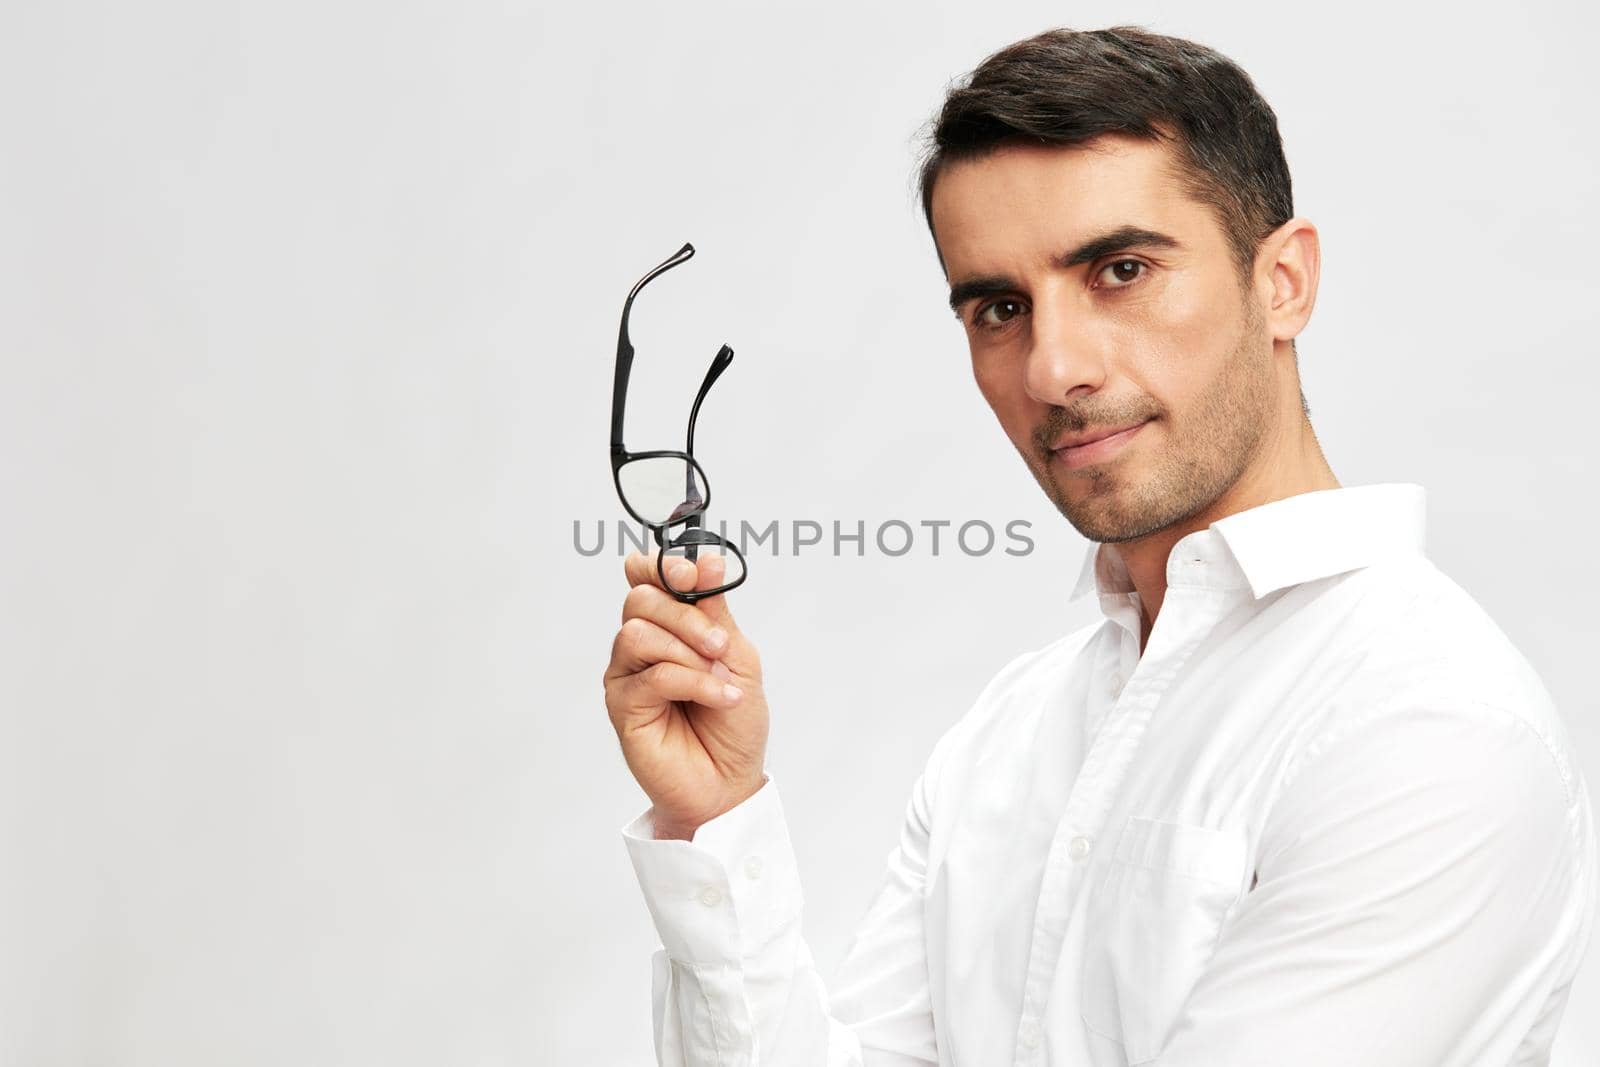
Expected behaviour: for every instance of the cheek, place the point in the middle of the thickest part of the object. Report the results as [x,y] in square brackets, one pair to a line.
[1182,344]
[1196,301]
[998,382]
[1002,388]
[983,374]
[1174,325]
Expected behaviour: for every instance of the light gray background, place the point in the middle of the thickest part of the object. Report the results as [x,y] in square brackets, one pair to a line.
[307,315]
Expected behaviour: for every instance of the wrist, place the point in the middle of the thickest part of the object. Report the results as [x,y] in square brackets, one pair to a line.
[671,829]
[665,831]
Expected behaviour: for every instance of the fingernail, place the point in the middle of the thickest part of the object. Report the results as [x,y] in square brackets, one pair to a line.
[720,670]
[716,637]
[680,570]
[732,692]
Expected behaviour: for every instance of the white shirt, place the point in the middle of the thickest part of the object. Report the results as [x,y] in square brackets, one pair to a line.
[1330,816]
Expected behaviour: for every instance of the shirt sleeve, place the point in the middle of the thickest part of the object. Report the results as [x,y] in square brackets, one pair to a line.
[1425,888]
[734,982]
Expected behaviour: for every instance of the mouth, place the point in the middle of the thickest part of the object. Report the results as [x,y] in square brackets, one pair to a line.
[1097,446]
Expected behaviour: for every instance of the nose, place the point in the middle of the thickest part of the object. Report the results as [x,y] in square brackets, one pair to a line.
[1063,359]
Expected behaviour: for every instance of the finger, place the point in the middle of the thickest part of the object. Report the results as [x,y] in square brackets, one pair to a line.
[641,569]
[662,682]
[740,656]
[712,567]
[713,572]
[685,621]
[716,607]
[709,567]
[641,643]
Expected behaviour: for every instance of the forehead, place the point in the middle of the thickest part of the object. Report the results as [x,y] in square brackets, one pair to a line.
[1022,204]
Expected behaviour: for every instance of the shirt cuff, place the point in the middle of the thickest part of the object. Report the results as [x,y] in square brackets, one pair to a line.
[724,895]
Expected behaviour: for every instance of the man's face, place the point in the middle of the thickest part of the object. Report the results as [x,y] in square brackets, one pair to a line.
[1138,333]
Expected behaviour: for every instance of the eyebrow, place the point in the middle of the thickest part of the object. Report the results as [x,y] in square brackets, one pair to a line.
[1121,239]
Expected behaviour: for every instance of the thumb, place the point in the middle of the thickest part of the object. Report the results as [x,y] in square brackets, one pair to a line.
[714,571]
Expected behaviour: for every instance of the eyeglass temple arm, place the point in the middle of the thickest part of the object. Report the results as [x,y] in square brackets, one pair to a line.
[619,385]
[719,363]
[691,489]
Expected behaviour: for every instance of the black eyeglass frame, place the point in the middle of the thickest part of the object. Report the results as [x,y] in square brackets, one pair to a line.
[694,535]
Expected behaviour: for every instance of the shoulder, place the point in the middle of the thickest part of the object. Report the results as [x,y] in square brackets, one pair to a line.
[1458,802]
[1440,773]
[1439,651]
[1449,719]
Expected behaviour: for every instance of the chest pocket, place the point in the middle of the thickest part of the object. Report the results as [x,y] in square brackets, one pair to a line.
[1152,924]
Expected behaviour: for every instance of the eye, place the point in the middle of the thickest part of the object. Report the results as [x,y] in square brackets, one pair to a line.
[995,315]
[1123,277]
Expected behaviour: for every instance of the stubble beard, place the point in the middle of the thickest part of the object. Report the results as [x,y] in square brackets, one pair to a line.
[1114,503]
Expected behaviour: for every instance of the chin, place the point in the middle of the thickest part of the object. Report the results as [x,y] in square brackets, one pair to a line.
[1099,506]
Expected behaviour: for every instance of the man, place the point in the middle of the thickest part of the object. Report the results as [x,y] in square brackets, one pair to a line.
[1293,800]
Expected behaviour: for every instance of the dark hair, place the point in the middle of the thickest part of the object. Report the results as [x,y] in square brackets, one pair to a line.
[1064,87]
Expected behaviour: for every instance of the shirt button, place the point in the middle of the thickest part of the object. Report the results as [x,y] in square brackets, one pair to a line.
[711,896]
[1029,1033]
[752,867]
[1079,847]
[1116,681]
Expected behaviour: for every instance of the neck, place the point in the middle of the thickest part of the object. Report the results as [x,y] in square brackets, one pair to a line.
[1288,465]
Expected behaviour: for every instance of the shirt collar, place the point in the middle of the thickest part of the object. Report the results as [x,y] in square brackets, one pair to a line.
[1285,542]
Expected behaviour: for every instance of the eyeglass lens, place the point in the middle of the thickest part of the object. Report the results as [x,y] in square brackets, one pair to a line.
[661,489]
[721,565]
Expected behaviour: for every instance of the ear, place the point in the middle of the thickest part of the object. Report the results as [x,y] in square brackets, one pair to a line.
[1291,261]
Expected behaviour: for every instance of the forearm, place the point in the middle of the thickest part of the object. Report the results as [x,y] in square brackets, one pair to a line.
[734,981]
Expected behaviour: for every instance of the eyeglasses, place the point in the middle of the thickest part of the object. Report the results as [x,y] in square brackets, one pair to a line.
[665,488]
